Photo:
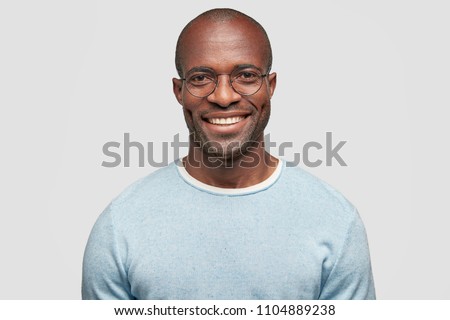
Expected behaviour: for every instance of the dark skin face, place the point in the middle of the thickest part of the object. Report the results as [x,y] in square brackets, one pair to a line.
[237,148]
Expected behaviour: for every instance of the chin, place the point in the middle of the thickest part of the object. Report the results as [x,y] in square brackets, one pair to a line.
[231,150]
[224,150]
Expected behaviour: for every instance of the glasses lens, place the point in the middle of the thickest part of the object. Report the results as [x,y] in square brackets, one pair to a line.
[201,84]
[246,81]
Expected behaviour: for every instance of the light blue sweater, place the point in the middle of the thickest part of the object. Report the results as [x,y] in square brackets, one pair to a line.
[169,236]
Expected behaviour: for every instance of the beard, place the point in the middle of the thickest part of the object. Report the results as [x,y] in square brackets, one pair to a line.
[227,147]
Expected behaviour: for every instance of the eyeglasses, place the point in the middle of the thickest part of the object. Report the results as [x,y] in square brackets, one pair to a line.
[201,82]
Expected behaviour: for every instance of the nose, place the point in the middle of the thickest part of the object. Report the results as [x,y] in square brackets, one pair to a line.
[224,94]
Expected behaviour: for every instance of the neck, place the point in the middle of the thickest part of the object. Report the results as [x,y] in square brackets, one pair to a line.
[240,171]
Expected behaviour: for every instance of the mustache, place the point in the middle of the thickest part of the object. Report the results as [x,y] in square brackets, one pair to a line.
[231,108]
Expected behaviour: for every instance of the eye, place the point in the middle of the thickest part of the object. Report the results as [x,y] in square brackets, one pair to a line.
[200,79]
[247,77]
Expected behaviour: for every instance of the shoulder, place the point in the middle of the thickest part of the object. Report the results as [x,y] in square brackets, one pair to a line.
[145,193]
[156,180]
[321,200]
[304,184]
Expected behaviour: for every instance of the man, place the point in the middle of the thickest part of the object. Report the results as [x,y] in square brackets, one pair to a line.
[229,221]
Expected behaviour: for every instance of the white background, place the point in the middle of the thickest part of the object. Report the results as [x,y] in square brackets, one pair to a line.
[77,74]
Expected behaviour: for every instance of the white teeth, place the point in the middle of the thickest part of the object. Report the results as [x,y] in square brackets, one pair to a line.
[230,120]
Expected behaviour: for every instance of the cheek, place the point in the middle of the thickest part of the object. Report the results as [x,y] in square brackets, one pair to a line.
[260,102]
[190,102]
[191,108]
[188,118]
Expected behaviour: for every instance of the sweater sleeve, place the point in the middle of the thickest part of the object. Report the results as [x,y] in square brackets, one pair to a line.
[104,273]
[351,276]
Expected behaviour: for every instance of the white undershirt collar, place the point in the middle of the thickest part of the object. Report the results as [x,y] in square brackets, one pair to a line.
[229,191]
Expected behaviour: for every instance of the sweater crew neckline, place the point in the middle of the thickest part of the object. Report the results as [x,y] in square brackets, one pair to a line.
[263,185]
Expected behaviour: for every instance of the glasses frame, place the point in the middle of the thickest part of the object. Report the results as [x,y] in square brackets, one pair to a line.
[230,82]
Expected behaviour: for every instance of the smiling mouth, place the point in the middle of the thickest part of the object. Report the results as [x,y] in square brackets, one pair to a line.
[225,121]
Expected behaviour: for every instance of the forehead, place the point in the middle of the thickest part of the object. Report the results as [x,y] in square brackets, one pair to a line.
[223,45]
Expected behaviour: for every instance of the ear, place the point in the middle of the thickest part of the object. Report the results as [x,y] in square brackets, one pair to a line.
[272,78]
[178,89]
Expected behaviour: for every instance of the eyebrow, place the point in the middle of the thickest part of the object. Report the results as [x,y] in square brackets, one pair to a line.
[199,69]
[236,67]
[244,66]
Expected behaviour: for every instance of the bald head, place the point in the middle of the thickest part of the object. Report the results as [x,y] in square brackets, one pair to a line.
[219,16]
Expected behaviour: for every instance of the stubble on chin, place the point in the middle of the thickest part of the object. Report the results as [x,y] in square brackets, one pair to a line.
[225,149]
